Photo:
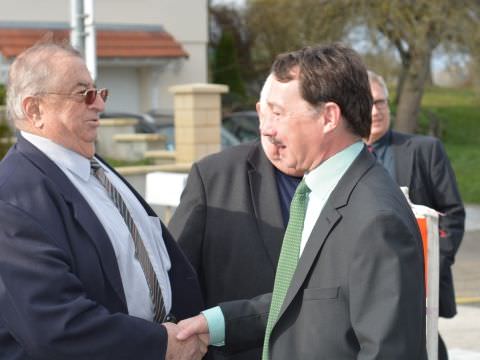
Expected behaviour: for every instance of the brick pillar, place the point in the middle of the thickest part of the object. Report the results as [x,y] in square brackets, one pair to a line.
[197,117]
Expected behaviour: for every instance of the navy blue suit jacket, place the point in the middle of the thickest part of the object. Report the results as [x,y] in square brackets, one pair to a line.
[61,295]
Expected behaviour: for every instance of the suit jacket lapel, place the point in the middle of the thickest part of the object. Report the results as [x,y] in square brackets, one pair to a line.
[328,219]
[85,217]
[81,211]
[266,205]
[142,201]
[402,155]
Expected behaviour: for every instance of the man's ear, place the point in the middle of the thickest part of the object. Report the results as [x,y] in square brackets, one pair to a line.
[31,109]
[257,107]
[331,114]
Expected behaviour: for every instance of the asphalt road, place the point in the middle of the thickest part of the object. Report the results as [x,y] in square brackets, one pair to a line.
[462,333]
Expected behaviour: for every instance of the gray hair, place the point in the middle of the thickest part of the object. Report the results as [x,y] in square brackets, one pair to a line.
[375,78]
[31,73]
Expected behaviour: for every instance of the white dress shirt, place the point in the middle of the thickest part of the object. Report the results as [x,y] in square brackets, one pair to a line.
[77,169]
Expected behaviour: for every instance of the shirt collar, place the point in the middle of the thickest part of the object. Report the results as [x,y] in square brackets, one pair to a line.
[328,173]
[63,157]
[385,140]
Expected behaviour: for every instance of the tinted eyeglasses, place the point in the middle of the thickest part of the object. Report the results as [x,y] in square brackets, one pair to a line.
[89,95]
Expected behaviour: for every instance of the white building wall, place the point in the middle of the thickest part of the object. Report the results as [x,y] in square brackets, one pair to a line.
[123,88]
[31,10]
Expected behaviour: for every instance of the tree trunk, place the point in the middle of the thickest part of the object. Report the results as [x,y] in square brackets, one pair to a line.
[411,93]
[401,77]
[429,78]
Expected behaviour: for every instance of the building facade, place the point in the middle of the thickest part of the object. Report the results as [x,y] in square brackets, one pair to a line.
[143,46]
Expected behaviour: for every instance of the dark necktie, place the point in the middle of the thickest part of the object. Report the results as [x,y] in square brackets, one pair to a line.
[140,251]
[287,263]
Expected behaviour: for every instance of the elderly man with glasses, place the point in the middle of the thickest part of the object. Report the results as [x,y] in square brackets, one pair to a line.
[87,270]
[421,164]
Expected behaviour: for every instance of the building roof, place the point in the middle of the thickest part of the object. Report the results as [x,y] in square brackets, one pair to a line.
[113,41]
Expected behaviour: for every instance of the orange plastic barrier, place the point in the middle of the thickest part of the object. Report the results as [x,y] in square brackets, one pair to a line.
[427,220]
[422,225]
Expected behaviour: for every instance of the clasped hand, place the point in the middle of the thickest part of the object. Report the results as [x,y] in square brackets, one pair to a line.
[188,340]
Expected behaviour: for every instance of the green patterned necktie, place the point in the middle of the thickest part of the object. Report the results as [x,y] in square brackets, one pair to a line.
[287,263]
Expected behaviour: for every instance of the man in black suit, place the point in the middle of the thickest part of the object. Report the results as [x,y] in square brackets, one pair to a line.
[421,164]
[349,281]
[231,219]
[87,270]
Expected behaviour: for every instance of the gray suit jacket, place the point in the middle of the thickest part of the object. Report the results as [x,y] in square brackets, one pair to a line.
[358,290]
[230,226]
[422,165]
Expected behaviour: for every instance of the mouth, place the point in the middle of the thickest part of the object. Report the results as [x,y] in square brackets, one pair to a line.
[94,122]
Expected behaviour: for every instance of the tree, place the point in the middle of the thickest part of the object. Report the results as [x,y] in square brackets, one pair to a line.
[416,28]
[277,26]
[226,69]
[5,132]
[231,19]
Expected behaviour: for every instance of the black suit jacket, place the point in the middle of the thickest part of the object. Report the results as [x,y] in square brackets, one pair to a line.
[61,295]
[358,289]
[422,165]
[230,226]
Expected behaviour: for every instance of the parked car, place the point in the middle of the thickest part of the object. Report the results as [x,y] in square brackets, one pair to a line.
[151,123]
[243,124]
[145,125]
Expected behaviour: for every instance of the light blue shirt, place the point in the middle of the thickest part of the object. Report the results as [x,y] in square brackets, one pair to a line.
[77,169]
[322,181]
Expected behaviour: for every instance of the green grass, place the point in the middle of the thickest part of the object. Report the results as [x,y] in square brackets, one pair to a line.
[459,114]
[466,163]
[120,163]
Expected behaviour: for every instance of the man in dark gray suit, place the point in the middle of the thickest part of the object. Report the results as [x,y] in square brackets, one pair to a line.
[231,220]
[357,291]
[421,164]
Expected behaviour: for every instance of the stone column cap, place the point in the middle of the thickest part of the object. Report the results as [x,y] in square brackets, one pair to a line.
[199,88]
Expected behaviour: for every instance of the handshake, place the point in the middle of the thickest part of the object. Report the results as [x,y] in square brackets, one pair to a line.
[187,340]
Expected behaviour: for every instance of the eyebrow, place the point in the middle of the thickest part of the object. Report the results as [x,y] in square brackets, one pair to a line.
[273,103]
[83,85]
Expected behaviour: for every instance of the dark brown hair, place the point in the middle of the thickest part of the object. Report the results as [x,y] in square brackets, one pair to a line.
[333,73]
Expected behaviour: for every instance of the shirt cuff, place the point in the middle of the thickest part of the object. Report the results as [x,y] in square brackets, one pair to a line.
[216,325]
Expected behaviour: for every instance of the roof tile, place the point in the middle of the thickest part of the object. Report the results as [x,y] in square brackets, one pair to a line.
[126,44]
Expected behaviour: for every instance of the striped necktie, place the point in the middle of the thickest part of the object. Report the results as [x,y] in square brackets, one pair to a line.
[140,251]
[287,263]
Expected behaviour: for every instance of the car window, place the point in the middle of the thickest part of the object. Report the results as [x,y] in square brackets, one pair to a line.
[244,126]
[228,139]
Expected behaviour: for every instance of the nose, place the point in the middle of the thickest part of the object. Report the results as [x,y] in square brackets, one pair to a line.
[374,110]
[99,104]
[266,126]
